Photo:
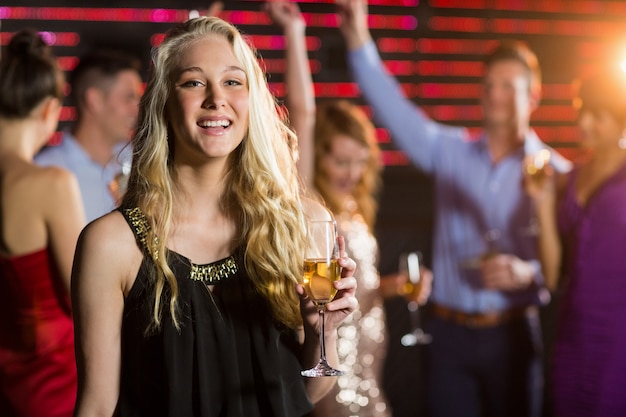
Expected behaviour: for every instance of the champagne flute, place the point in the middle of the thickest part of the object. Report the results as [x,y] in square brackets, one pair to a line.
[537,163]
[535,167]
[321,270]
[491,238]
[410,265]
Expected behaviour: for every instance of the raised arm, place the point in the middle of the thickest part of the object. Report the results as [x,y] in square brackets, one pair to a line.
[544,189]
[300,97]
[410,129]
[549,244]
[106,259]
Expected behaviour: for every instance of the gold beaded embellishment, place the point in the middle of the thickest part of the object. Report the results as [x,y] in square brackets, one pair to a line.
[142,227]
[209,274]
[215,272]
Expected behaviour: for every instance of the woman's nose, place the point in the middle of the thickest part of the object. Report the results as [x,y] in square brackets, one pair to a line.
[355,172]
[214,98]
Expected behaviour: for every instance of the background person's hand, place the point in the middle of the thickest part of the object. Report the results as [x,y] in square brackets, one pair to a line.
[353,22]
[215,8]
[284,13]
[539,182]
[398,284]
[506,272]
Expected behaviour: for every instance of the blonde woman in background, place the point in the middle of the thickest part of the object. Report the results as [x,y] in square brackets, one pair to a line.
[339,158]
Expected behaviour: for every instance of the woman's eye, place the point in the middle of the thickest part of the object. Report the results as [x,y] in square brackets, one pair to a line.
[192,83]
[233,82]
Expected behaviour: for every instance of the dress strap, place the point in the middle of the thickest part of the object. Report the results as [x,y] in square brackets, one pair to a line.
[209,273]
[141,228]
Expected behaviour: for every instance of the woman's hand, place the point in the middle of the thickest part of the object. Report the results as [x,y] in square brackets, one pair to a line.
[539,182]
[337,311]
[344,303]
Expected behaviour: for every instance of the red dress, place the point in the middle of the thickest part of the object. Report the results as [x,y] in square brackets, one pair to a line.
[37,365]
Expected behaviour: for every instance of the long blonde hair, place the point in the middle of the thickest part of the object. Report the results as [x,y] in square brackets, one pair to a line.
[262,192]
[340,117]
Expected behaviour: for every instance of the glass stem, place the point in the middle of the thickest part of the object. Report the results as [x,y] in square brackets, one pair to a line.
[322,333]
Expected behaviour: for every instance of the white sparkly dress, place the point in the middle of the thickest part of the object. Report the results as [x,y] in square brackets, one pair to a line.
[362,340]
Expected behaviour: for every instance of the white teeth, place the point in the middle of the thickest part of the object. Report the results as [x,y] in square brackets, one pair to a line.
[214,123]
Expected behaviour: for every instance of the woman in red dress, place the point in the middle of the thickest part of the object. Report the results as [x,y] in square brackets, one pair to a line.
[41,216]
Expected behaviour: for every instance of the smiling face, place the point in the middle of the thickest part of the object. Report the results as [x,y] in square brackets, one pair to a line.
[344,164]
[208,105]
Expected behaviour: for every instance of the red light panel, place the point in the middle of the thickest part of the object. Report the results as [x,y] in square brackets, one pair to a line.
[394,158]
[94,14]
[67,63]
[448,91]
[403,45]
[543,6]
[457,24]
[449,68]
[439,61]
[455,46]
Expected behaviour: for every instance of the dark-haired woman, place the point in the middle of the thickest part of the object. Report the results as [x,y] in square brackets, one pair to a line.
[583,247]
[41,216]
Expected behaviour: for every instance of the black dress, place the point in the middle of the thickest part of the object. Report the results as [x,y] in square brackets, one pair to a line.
[229,359]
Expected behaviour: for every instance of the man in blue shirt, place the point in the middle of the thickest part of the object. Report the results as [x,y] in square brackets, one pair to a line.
[485,355]
[106,87]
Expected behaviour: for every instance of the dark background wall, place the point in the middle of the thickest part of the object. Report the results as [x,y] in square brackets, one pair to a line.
[433,47]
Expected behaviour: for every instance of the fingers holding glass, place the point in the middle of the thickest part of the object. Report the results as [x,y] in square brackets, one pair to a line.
[321,271]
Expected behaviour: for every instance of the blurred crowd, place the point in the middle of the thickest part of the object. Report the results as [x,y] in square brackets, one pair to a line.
[151,262]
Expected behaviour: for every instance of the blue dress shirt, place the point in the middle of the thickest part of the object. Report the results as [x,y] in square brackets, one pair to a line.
[93,179]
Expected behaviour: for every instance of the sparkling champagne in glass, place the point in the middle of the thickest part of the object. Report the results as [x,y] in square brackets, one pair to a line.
[321,270]
[536,167]
[409,265]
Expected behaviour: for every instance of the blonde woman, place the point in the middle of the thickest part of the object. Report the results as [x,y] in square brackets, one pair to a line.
[187,299]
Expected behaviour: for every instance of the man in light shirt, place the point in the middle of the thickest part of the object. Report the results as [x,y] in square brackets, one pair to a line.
[106,86]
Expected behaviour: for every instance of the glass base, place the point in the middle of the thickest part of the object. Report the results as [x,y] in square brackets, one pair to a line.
[418,337]
[321,369]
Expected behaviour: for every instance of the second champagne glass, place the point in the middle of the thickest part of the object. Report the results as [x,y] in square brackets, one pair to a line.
[321,270]
[409,264]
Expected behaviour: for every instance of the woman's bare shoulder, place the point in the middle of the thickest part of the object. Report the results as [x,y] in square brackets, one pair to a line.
[108,242]
[52,178]
[110,233]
